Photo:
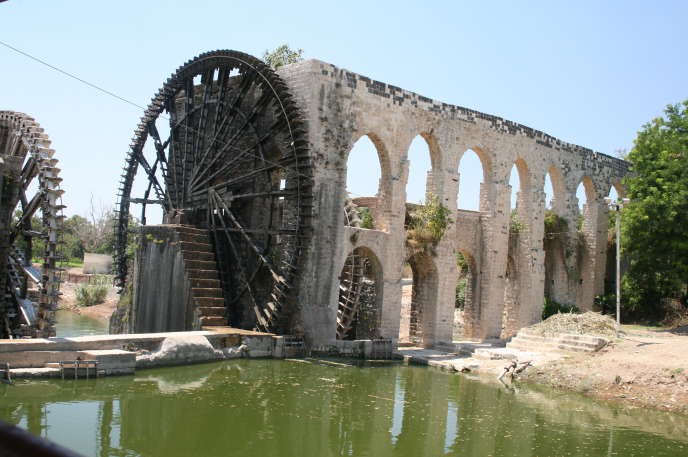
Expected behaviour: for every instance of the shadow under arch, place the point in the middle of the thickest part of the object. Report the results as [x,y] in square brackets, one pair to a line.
[423,301]
[360,296]
[378,204]
[466,305]
[586,229]
[556,241]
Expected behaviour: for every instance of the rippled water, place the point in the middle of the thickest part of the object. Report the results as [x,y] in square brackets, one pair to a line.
[317,408]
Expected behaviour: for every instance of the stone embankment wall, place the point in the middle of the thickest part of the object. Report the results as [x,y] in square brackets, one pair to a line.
[507,284]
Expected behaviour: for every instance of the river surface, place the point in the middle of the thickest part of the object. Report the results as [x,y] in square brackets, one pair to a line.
[318,408]
[69,323]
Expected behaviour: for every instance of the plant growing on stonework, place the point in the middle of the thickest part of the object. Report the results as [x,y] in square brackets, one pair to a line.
[515,224]
[366,218]
[554,224]
[428,223]
[463,269]
[282,55]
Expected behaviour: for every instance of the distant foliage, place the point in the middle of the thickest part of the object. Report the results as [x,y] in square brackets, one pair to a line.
[463,269]
[551,308]
[282,55]
[655,223]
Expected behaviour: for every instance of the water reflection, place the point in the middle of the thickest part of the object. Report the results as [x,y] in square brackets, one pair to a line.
[69,324]
[282,408]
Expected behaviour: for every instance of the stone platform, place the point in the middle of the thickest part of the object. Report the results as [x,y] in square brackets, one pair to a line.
[122,354]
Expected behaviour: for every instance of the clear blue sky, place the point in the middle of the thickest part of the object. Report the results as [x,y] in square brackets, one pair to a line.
[588,72]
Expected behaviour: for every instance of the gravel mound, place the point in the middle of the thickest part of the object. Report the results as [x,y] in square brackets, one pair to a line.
[578,324]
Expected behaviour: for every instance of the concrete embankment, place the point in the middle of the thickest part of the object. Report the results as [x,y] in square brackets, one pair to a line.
[123,354]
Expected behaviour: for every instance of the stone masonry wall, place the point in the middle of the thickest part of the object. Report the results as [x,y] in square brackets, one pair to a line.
[341,106]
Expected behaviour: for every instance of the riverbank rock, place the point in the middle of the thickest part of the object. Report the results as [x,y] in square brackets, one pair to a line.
[181,349]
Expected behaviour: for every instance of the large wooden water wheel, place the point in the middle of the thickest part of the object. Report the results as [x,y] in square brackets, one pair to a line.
[222,147]
[30,223]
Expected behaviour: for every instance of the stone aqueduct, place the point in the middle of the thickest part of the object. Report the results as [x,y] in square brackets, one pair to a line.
[508,273]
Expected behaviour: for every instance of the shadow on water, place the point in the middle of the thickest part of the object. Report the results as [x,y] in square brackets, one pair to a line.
[314,408]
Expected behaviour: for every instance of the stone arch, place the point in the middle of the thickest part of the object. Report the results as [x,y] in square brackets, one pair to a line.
[619,188]
[360,295]
[466,296]
[558,200]
[418,325]
[523,196]
[519,252]
[510,318]
[556,239]
[586,243]
[378,205]
[484,193]
[431,184]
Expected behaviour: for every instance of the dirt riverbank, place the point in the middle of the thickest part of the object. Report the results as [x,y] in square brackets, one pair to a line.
[645,368]
[102,311]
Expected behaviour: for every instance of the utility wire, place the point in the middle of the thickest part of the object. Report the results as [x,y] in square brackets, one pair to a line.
[66,73]
[118,97]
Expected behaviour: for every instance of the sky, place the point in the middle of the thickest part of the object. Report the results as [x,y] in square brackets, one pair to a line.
[588,72]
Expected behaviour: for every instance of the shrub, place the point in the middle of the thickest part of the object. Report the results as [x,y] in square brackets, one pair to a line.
[515,224]
[554,224]
[551,308]
[366,217]
[429,222]
[88,295]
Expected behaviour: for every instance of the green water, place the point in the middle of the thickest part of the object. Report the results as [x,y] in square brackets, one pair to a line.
[70,324]
[308,408]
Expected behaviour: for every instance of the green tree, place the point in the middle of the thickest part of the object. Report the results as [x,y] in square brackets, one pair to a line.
[282,55]
[655,223]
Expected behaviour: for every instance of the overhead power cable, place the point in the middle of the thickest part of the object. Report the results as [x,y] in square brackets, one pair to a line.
[71,75]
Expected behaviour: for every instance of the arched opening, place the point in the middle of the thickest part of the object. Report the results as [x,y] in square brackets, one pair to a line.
[418,300]
[519,253]
[465,300]
[585,194]
[360,296]
[555,241]
[519,181]
[607,304]
[367,184]
[420,177]
[584,243]
[473,170]
[511,299]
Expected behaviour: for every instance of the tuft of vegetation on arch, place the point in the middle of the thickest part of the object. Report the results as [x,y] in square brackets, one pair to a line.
[427,223]
[555,225]
[515,224]
[366,217]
